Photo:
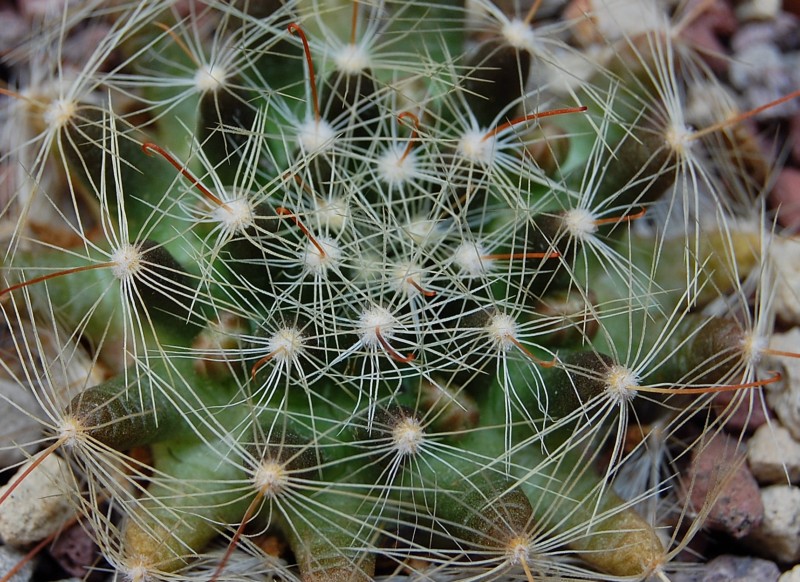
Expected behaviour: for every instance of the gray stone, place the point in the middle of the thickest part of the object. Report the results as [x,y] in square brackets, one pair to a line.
[758,9]
[778,537]
[784,396]
[773,455]
[9,558]
[24,387]
[37,507]
[792,575]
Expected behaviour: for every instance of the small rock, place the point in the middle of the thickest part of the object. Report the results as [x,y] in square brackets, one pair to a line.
[24,387]
[785,197]
[773,455]
[741,411]
[81,42]
[582,25]
[18,407]
[719,474]
[785,255]
[781,32]
[12,31]
[778,536]
[706,31]
[758,9]
[9,557]
[792,575]
[793,140]
[47,10]
[730,569]
[37,508]
[784,396]
[594,21]
[76,552]
[760,72]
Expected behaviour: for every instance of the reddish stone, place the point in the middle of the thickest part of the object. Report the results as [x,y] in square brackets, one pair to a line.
[705,31]
[741,412]
[718,474]
[794,138]
[785,198]
[76,553]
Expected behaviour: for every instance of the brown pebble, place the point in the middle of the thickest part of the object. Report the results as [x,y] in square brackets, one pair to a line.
[785,198]
[582,24]
[741,411]
[41,9]
[272,545]
[707,31]
[76,552]
[12,30]
[794,138]
[729,568]
[82,42]
[718,473]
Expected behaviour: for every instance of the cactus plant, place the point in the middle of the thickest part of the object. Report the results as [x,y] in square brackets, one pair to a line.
[390,281]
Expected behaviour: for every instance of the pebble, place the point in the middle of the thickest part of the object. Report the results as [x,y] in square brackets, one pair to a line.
[37,508]
[706,31]
[75,551]
[778,537]
[730,569]
[21,379]
[597,21]
[792,575]
[758,9]
[18,409]
[794,138]
[785,255]
[785,197]
[12,31]
[718,473]
[774,455]
[781,31]
[784,396]
[762,74]
[741,411]
[9,557]
[36,10]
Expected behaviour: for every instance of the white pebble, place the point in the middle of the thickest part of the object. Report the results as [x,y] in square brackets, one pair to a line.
[9,557]
[38,507]
[779,533]
[18,409]
[785,255]
[21,380]
[774,455]
[784,396]
[758,9]
[792,575]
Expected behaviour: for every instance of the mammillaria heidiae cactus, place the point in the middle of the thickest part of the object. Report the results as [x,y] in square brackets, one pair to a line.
[396,283]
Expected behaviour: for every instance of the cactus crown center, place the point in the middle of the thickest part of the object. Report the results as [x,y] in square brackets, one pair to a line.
[209,78]
[126,262]
[518,34]
[408,436]
[621,384]
[271,479]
